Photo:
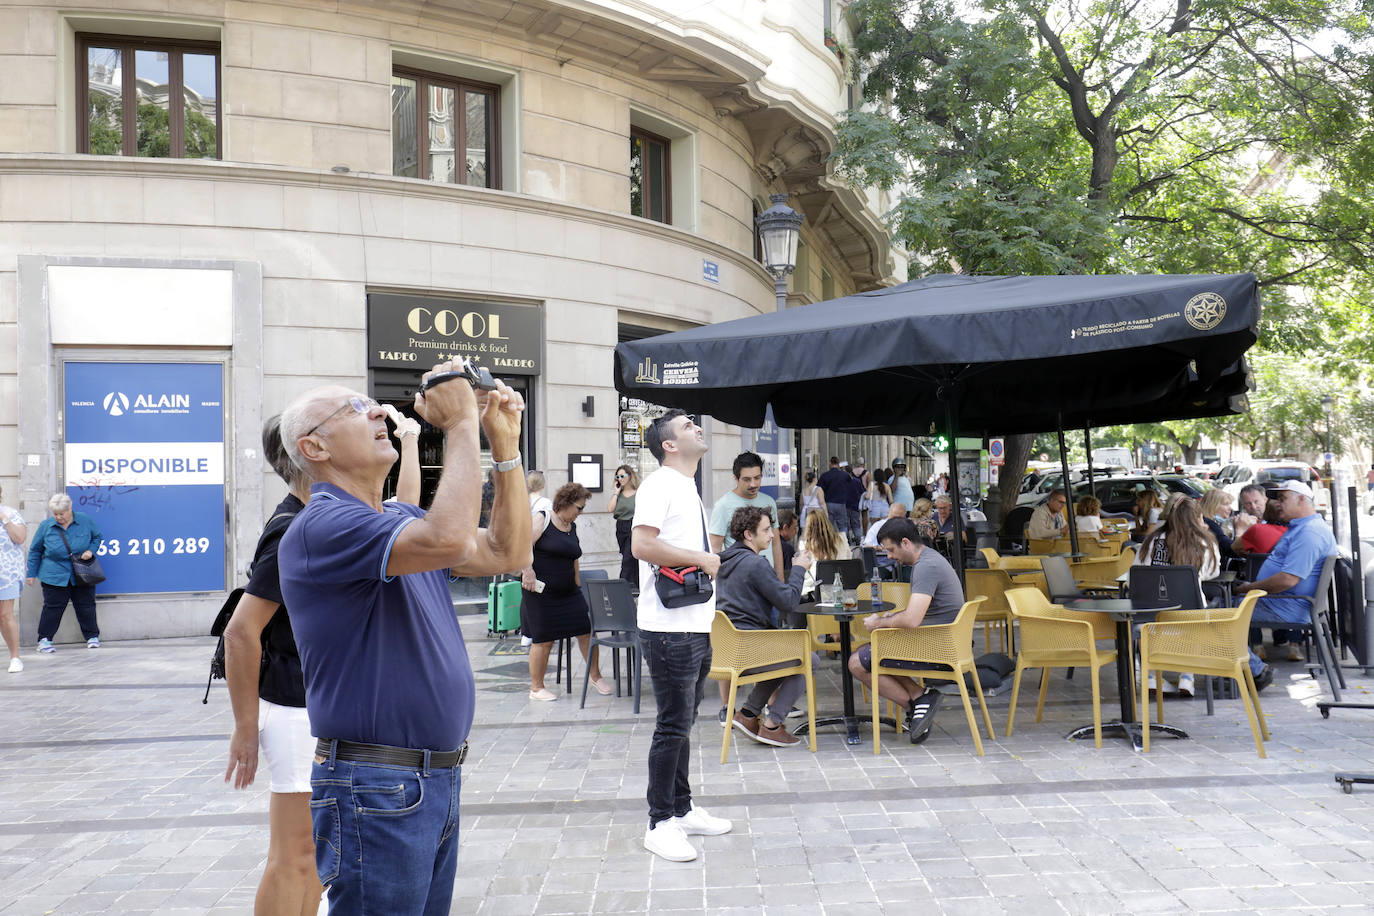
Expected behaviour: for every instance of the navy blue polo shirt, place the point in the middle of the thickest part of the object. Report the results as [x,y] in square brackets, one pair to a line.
[383,657]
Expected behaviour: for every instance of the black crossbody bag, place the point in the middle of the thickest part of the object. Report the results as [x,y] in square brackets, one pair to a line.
[683,586]
[87,572]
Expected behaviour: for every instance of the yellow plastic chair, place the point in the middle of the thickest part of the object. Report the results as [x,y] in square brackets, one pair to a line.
[1052,637]
[737,655]
[939,644]
[993,558]
[992,584]
[1204,642]
[1043,546]
[1101,573]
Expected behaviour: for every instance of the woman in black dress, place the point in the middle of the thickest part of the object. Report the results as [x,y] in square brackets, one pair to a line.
[559,610]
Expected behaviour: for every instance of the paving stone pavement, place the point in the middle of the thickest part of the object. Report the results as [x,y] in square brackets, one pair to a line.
[112,800]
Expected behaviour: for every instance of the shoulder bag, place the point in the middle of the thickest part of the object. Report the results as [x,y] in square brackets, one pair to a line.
[683,586]
[87,572]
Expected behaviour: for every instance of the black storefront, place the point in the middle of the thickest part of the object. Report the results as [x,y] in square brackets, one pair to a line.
[408,334]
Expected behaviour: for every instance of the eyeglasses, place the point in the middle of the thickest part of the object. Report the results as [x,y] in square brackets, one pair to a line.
[359,405]
[622,477]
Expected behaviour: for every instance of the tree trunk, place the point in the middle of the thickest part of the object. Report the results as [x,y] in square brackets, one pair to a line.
[1018,449]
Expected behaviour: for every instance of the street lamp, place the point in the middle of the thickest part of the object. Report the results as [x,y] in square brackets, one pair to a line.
[1327,403]
[779,227]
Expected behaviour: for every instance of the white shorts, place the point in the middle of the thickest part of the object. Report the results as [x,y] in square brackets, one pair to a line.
[286,744]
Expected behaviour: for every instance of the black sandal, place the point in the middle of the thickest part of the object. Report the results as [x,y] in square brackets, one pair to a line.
[921,715]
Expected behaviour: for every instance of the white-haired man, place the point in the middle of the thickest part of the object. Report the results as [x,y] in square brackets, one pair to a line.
[388,686]
[1292,568]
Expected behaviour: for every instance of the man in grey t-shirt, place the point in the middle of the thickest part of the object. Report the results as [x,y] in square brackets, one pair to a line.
[936,598]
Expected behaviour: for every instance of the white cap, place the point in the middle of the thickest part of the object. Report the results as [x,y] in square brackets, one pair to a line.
[844,464]
[1298,487]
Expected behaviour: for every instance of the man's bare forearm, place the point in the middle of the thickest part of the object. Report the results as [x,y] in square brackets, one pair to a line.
[455,510]
[506,545]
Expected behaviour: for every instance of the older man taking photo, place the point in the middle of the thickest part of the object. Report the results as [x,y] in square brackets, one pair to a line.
[1292,568]
[389,689]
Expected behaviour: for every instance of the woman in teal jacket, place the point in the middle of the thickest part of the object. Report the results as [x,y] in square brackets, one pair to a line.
[51,564]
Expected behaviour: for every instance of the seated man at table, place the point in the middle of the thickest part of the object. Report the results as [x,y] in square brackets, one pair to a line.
[748,591]
[936,598]
[896,510]
[1047,521]
[1293,567]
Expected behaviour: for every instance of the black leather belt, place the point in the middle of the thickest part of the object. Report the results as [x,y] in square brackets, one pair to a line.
[392,756]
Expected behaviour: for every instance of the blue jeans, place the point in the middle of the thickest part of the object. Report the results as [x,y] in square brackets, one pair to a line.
[1266,615]
[386,837]
[678,665]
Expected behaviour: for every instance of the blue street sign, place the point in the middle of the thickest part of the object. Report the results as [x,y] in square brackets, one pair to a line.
[710,271]
[144,458]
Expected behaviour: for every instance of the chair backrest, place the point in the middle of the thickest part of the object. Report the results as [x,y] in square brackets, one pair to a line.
[1014,525]
[851,572]
[1321,598]
[1253,562]
[1059,577]
[990,554]
[612,605]
[870,558]
[1024,600]
[991,583]
[1168,584]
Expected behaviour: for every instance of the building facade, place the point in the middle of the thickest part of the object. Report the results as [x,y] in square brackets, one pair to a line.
[207,207]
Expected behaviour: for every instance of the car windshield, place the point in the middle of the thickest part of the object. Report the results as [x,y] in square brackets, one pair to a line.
[1268,474]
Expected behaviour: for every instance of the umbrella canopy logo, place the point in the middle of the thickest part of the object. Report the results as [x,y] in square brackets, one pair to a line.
[1205,311]
[648,372]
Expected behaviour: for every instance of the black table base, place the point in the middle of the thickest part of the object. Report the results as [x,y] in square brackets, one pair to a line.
[1131,731]
[849,719]
[851,723]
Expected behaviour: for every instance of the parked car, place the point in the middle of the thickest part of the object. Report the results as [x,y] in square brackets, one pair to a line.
[1053,480]
[1271,474]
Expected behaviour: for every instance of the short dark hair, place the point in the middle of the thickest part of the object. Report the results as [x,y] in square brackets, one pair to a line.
[274,450]
[745,519]
[786,517]
[570,494]
[897,530]
[834,460]
[1253,488]
[746,460]
[658,431]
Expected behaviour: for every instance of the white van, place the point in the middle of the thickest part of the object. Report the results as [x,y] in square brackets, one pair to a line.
[1113,456]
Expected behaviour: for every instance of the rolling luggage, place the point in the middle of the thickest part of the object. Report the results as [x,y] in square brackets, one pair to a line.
[503,606]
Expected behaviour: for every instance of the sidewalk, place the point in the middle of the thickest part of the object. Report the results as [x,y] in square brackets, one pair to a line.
[112,801]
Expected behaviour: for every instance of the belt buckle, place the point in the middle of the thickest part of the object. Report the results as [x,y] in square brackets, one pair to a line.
[462,754]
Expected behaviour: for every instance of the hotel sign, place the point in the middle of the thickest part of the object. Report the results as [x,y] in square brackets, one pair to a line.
[415,332]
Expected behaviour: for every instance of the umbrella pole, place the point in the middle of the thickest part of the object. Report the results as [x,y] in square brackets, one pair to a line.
[1088,447]
[958,548]
[1068,486]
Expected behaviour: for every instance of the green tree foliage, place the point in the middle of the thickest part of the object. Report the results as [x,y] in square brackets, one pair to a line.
[1131,136]
[154,134]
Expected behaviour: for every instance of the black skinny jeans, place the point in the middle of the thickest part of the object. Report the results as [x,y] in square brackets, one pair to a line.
[678,665]
[55,598]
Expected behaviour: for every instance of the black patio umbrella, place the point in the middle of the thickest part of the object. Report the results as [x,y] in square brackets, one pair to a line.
[967,353]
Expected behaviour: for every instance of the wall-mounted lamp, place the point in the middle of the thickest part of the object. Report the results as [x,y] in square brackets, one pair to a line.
[589,406]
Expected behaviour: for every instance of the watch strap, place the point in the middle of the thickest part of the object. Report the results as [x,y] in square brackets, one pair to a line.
[510,465]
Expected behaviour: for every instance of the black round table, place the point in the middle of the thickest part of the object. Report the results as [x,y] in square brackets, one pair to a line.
[1125,612]
[844,615]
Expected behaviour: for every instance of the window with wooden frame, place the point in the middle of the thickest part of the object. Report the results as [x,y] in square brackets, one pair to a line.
[148,97]
[444,129]
[650,176]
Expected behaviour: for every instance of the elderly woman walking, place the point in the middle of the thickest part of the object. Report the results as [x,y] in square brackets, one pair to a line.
[65,534]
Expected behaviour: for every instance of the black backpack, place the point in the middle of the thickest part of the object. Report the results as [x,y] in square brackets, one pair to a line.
[226,612]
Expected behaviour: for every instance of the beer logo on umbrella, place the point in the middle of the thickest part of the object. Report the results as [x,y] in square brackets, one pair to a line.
[1205,311]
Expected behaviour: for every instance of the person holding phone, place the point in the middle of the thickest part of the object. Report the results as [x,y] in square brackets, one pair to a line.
[622,509]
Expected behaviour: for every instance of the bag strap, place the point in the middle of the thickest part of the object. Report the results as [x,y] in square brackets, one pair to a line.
[62,534]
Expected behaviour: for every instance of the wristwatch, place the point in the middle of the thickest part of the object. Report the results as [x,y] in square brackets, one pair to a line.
[509,465]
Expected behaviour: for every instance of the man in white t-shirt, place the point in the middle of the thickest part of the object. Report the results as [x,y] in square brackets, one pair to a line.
[670,530]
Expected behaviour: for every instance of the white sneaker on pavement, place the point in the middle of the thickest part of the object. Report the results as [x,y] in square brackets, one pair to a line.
[1185,684]
[667,841]
[16,665]
[698,822]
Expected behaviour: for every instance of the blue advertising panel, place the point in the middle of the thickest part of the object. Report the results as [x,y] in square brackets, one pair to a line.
[145,460]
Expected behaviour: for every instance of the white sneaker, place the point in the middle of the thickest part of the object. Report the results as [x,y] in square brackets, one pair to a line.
[1185,684]
[697,822]
[667,841]
[16,666]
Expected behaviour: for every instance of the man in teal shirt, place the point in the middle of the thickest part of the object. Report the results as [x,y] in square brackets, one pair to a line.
[748,471]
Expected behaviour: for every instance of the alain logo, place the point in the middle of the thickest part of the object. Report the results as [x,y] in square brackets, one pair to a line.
[116,404]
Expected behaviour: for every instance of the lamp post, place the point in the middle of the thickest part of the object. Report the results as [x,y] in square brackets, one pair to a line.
[779,228]
[1327,403]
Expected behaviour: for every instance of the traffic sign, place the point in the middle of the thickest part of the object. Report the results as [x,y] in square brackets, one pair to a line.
[996,451]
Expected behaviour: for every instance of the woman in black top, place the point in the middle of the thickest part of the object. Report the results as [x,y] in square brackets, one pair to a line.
[559,610]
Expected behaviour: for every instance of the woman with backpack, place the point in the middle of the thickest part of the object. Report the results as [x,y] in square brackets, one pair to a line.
[267,691]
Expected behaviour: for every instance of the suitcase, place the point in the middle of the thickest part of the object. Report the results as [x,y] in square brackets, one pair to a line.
[503,606]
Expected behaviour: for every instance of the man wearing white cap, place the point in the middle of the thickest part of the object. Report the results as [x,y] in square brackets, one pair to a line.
[1293,567]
